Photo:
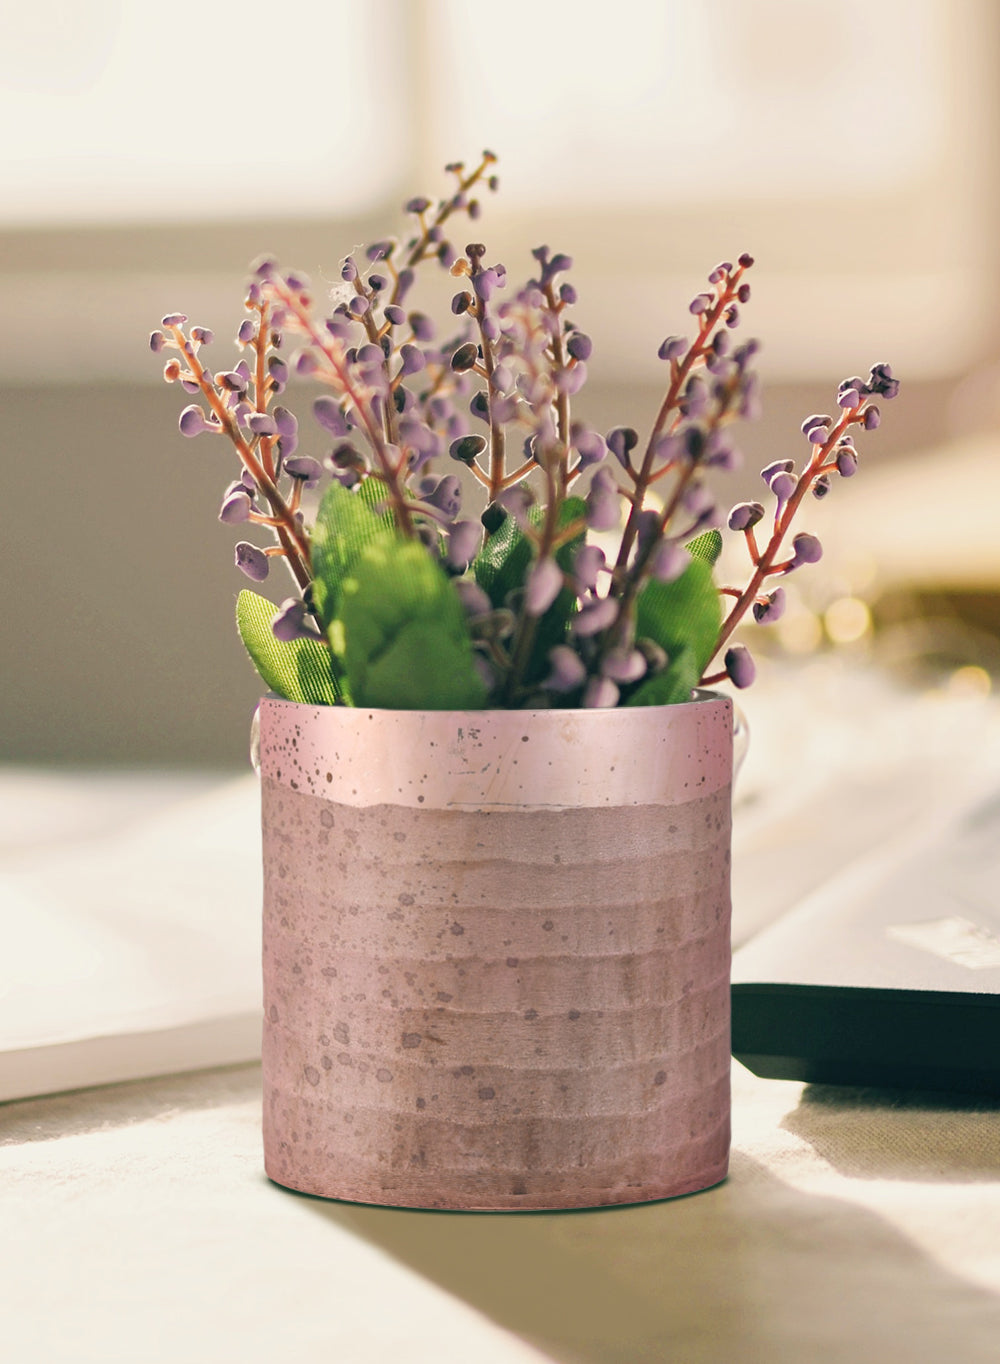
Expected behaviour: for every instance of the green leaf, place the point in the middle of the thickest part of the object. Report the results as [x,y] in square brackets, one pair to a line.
[345,524]
[406,645]
[683,614]
[502,564]
[671,686]
[503,561]
[299,670]
[707,546]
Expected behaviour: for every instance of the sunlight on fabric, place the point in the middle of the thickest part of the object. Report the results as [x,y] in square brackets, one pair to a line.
[663,100]
[134,110]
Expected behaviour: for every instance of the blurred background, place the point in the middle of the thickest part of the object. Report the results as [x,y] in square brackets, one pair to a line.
[153,151]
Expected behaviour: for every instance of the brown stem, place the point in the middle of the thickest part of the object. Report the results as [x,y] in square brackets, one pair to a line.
[332,354]
[289,533]
[679,373]
[765,564]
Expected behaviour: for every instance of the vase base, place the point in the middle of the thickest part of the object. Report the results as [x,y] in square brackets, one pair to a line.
[536,1201]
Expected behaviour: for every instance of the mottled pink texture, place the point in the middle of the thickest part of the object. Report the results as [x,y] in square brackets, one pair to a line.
[500,1007]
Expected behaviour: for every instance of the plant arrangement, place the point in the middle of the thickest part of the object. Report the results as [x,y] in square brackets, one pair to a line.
[585,578]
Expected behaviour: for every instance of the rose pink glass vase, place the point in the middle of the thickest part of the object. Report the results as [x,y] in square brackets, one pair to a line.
[496,953]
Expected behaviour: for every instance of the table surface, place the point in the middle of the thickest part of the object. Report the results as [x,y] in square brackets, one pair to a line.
[136,1223]
[855,1225]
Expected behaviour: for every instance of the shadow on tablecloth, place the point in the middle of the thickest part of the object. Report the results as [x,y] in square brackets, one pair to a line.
[897,1134]
[752,1271]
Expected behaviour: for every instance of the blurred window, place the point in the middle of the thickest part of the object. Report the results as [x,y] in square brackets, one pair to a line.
[848,146]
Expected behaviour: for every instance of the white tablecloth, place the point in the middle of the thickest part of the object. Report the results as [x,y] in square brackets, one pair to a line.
[136,1225]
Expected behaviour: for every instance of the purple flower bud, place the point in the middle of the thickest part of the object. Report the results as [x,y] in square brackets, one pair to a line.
[672,348]
[847,461]
[306,468]
[621,441]
[236,507]
[720,454]
[849,397]
[588,562]
[475,601]
[485,283]
[603,511]
[174,320]
[327,412]
[670,447]
[698,500]
[783,485]
[770,607]
[246,332]
[746,260]
[202,336]
[740,666]
[502,378]
[771,471]
[467,449]
[571,380]
[567,294]
[732,317]
[647,529]
[806,549]
[600,693]
[192,421]
[542,586]
[694,401]
[745,515]
[480,406]
[359,305]
[700,304]
[231,380]
[157,341]
[872,417]
[262,424]
[419,204]
[881,383]
[293,622]
[304,362]
[278,371]
[588,444]
[579,346]
[821,487]
[743,293]
[624,665]
[517,499]
[566,670]
[465,357]
[252,561]
[370,354]
[286,422]
[444,493]
[421,326]
[594,615]
[464,539]
[668,561]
